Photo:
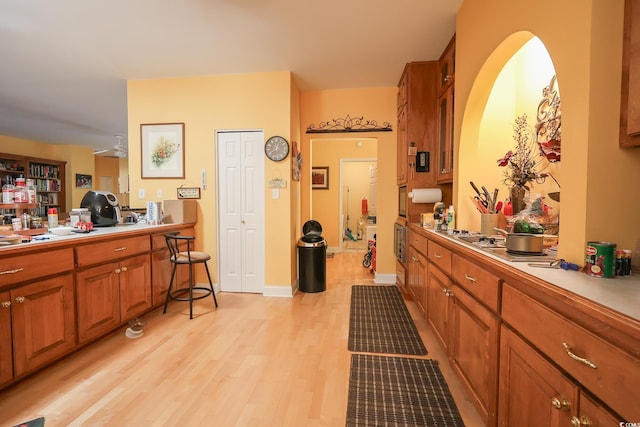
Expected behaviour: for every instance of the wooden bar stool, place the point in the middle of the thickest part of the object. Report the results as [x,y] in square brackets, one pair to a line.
[188,257]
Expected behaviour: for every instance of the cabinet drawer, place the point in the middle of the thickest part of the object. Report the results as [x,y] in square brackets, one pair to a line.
[111,250]
[478,282]
[606,371]
[27,267]
[419,242]
[439,256]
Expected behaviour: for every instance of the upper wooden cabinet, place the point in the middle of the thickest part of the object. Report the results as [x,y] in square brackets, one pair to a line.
[417,127]
[630,97]
[447,64]
[444,160]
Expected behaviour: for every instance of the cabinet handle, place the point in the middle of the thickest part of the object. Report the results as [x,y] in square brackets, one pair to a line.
[580,422]
[20,299]
[5,304]
[15,270]
[120,249]
[447,77]
[414,259]
[124,268]
[117,271]
[560,403]
[569,351]
[438,256]
[449,293]
[469,278]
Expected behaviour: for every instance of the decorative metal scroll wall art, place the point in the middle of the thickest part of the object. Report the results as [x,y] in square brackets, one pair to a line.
[349,124]
[548,129]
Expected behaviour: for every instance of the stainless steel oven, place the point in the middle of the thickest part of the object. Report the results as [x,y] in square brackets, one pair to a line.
[400,242]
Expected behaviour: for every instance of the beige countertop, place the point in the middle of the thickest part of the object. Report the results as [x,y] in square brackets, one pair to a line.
[621,294]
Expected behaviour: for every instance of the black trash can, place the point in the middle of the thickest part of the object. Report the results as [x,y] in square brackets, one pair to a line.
[312,259]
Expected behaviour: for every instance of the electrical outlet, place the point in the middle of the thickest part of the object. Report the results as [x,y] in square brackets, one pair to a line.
[141,193]
[159,193]
[275,193]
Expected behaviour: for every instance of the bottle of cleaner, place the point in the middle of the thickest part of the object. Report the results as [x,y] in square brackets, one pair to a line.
[451,219]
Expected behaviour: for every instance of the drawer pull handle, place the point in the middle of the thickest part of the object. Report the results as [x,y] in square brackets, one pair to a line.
[15,270]
[560,403]
[437,256]
[587,362]
[5,304]
[120,249]
[20,299]
[469,278]
[580,422]
[124,268]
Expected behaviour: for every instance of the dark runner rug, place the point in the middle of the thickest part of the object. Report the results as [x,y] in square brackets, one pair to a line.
[399,391]
[379,322]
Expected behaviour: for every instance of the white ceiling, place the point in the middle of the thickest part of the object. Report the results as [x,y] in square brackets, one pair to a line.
[64,64]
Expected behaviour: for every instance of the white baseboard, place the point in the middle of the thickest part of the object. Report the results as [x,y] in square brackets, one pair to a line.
[278,291]
[388,279]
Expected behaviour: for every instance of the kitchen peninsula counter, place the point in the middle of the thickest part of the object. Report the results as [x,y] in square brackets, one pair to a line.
[515,333]
[64,292]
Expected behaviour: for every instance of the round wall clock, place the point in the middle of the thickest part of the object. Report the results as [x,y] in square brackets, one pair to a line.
[276,148]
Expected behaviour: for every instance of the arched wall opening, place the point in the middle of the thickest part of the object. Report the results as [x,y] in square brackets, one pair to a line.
[509,85]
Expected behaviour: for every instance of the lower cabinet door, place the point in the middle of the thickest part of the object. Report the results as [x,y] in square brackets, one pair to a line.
[438,291]
[44,322]
[135,286]
[6,348]
[98,295]
[594,415]
[473,351]
[532,392]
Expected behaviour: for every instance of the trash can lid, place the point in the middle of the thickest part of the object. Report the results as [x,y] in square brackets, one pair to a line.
[311,241]
[312,227]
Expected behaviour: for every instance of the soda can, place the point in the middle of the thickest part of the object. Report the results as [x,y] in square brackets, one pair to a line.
[601,259]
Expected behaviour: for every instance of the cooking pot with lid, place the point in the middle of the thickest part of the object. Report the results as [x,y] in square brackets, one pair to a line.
[525,243]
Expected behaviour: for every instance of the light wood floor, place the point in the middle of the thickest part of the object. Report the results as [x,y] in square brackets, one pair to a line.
[255,361]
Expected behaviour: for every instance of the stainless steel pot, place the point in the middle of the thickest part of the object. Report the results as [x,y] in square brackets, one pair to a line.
[523,242]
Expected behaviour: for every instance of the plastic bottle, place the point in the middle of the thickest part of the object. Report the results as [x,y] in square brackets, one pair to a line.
[451,218]
[20,191]
[31,191]
[52,217]
[8,192]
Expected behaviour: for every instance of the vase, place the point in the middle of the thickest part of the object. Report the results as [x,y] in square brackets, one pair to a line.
[517,198]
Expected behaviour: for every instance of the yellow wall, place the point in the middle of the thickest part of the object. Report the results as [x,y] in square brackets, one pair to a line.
[207,104]
[584,39]
[374,104]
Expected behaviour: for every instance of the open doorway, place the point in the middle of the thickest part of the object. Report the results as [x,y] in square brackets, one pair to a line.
[358,184]
[330,155]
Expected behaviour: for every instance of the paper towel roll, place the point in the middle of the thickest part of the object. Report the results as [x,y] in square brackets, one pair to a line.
[425,195]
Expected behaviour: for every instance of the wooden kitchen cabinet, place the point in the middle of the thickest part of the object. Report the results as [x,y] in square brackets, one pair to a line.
[438,304]
[98,296]
[473,351]
[444,161]
[417,128]
[112,293]
[629,105]
[417,277]
[43,321]
[532,391]
[6,347]
[135,286]
[447,65]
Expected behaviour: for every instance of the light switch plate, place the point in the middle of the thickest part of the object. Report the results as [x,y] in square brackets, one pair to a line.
[141,193]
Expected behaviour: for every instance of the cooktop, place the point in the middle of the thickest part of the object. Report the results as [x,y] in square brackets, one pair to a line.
[495,245]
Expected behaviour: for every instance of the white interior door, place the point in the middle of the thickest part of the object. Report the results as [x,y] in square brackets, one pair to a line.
[240,158]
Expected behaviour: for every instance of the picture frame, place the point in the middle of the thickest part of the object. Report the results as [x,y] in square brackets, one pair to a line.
[84,181]
[320,178]
[162,150]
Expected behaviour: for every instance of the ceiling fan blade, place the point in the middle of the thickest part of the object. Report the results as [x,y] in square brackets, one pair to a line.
[101,151]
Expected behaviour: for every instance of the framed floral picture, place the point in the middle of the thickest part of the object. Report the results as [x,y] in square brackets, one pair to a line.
[162,149]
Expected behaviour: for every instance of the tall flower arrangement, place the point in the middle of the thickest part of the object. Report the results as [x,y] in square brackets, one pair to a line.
[521,166]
